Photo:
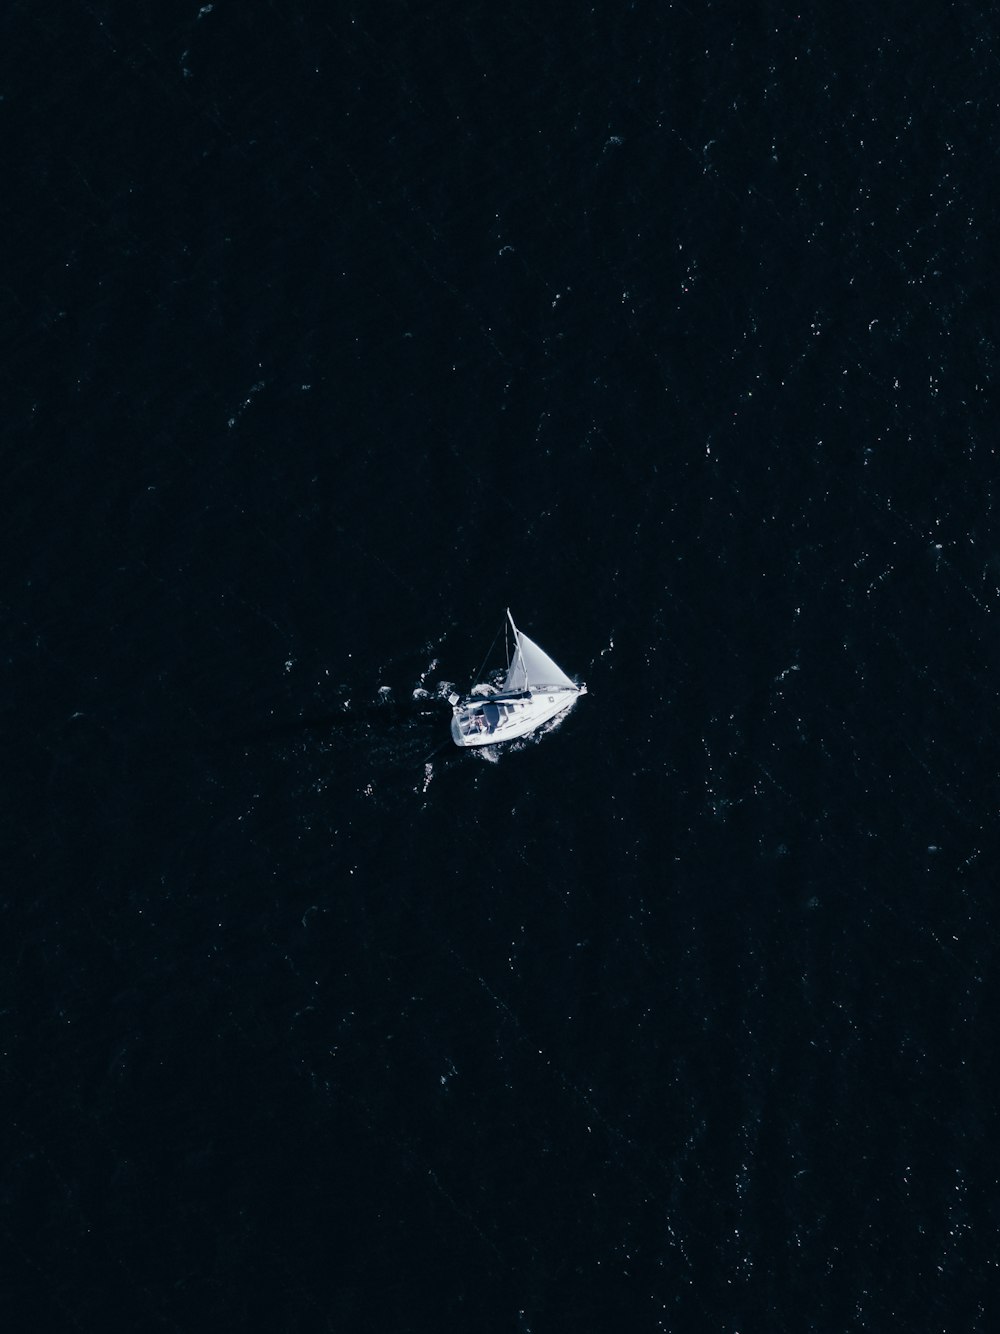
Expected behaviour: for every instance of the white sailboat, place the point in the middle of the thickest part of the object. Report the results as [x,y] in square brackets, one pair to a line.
[534,691]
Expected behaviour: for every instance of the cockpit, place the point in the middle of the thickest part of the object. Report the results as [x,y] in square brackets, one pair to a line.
[490,717]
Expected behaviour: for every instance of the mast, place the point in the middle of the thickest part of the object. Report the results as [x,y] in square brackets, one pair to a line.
[517,644]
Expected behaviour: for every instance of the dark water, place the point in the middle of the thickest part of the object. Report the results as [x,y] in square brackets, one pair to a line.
[332,332]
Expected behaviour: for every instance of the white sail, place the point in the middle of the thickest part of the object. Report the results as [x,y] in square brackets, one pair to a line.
[531,668]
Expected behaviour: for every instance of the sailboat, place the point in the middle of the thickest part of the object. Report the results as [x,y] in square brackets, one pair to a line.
[534,691]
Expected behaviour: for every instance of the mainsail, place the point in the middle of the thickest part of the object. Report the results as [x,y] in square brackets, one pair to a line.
[531,668]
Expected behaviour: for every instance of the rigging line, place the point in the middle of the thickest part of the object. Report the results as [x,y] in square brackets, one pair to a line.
[488,652]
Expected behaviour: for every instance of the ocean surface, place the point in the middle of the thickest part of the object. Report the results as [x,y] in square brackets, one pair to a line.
[331,332]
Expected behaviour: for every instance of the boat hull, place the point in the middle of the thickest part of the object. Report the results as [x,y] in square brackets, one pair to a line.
[489,720]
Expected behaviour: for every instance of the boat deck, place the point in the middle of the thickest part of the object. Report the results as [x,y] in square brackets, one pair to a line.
[488,720]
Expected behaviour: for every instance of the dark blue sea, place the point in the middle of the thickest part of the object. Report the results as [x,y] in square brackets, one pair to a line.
[330,332]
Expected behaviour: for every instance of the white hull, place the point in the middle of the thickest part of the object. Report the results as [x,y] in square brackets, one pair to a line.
[487,720]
